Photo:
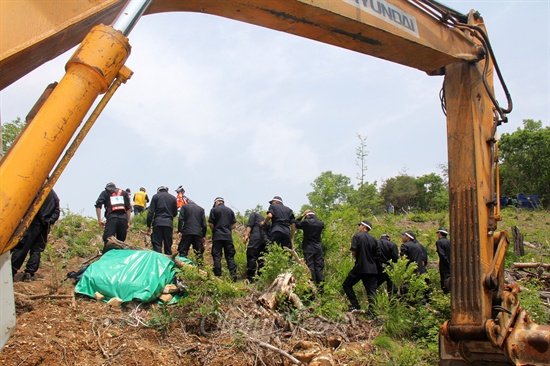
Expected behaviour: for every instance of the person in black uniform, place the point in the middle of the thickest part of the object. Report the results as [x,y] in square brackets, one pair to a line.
[443,246]
[256,237]
[389,253]
[192,230]
[162,211]
[312,246]
[414,251]
[118,211]
[35,238]
[222,221]
[366,252]
[283,226]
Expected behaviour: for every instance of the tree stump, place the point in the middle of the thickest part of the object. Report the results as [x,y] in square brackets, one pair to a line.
[518,241]
[283,285]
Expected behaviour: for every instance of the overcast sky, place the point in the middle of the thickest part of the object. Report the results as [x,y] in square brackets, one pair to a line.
[234,110]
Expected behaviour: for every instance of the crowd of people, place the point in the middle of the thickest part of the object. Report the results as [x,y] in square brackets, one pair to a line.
[114,208]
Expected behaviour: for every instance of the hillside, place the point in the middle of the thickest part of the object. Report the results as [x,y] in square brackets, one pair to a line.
[220,323]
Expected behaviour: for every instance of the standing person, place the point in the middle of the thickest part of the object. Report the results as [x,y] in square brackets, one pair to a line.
[443,246]
[391,209]
[35,238]
[312,245]
[366,252]
[222,221]
[181,198]
[118,212]
[414,251]
[256,237]
[161,215]
[141,199]
[192,230]
[283,226]
[389,253]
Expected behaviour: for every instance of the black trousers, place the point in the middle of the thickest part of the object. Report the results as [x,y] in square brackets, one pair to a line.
[226,247]
[369,281]
[194,240]
[138,209]
[116,226]
[281,239]
[316,264]
[254,262]
[162,235]
[33,241]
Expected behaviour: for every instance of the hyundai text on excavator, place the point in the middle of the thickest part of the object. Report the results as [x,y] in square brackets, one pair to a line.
[487,323]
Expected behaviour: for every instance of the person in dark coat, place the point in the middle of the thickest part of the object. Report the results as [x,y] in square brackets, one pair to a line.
[282,223]
[312,246]
[414,251]
[35,238]
[222,221]
[443,246]
[118,211]
[162,211]
[366,252]
[192,230]
[389,254]
[256,237]
[417,253]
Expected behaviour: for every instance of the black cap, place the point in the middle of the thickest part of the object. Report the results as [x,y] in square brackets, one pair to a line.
[219,199]
[385,236]
[443,231]
[366,223]
[409,233]
[276,198]
[180,189]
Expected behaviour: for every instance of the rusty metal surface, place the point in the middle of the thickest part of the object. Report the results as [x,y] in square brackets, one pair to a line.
[528,342]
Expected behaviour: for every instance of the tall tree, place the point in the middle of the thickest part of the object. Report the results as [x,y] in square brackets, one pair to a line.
[431,193]
[10,131]
[525,161]
[330,190]
[400,190]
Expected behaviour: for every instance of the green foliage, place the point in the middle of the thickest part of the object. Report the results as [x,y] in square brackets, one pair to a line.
[525,161]
[400,190]
[276,261]
[329,191]
[78,231]
[431,193]
[161,318]
[530,300]
[10,131]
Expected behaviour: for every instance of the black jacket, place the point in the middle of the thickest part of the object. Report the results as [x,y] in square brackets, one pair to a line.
[367,253]
[389,252]
[417,253]
[191,220]
[162,210]
[223,219]
[312,227]
[282,218]
[443,246]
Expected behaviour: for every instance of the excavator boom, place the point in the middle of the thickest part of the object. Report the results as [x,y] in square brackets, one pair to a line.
[421,34]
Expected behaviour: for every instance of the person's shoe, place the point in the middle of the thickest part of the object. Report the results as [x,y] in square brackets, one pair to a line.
[27,277]
[353,307]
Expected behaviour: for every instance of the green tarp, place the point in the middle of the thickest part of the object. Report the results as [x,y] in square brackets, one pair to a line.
[128,275]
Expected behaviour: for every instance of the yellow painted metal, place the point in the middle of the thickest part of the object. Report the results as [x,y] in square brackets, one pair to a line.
[343,23]
[89,72]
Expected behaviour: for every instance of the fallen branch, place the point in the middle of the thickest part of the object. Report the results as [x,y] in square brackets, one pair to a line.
[278,350]
[114,243]
[532,265]
[42,296]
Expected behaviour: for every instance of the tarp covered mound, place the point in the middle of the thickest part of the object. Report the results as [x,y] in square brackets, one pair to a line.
[128,275]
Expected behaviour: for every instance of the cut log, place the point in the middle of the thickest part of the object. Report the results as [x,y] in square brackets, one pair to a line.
[532,265]
[283,285]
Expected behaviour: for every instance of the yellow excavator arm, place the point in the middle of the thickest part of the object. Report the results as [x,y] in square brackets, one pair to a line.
[487,322]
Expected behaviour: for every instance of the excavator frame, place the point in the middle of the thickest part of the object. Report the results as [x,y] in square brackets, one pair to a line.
[487,322]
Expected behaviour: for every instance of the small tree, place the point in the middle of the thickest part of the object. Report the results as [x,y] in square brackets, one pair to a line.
[10,131]
[330,190]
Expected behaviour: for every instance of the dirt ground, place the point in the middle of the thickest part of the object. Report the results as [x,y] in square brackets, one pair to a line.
[56,328]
